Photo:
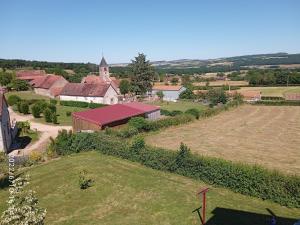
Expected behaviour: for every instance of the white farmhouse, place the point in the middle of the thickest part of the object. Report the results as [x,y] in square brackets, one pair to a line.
[96,93]
[171,92]
[6,134]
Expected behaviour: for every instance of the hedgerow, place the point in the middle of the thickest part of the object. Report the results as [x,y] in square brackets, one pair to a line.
[245,179]
[91,105]
[278,103]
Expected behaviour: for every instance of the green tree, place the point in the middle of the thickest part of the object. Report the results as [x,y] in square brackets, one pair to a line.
[174,81]
[142,74]
[124,87]
[160,94]
[187,94]
[13,99]
[22,206]
[19,85]
[24,107]
[5,78]
[48,115]
[216,96]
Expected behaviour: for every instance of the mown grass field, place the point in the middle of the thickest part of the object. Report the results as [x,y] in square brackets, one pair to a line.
[223,82]
[264,135]
[62,118]
[179,105]
[128,193]
[274,91]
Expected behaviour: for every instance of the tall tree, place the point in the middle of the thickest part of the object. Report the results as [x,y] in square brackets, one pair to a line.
[142,74]
[124,87]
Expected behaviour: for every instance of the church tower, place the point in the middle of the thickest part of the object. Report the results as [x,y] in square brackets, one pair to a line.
[104,70]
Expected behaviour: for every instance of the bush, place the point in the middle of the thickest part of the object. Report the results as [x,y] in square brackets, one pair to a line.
[24,126]
[187,94]
[194,112]
[35,157]
[54,118]
[139,123]
[84,181]
[38,107]
[20,85]
[93,105]
[47,115]
[24,107]
[13,99]
[68,113]
[74,104]
[53,101]
[52,108]
[127,132]
[245,179]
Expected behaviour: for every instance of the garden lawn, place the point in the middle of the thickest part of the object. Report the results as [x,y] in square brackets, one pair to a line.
[27,95]
[180,105]
[128,193]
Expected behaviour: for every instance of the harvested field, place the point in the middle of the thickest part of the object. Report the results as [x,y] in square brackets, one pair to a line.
[223,82]
[264,135]
[273,91]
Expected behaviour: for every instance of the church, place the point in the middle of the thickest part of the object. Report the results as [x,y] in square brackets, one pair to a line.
[100,88]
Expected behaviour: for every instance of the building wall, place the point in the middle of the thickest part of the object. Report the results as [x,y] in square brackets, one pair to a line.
[5,134]
[170,95]
[153,115]
[81,99]
[111,96]
[42,91]
[83,125]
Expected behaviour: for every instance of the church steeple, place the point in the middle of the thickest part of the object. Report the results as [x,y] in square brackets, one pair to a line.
[104,70]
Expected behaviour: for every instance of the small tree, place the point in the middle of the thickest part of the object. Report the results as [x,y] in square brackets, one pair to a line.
[124,87]
[216,96]
[84,181]
[20,85]
[160,94]
[22,206]
[54,118]
[174,81]
[24,107]
[187,94]
[138,143]
[36,110]
[48,115]
[13,99]
[194,112]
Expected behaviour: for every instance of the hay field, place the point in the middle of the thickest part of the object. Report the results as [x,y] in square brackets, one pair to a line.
[274,91]
[264,135]
[223,82]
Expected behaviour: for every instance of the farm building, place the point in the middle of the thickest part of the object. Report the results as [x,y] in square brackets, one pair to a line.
[97,93]
[110,116]
[29,75]
[6,132]
[171,92]
[103,77]
[48,85]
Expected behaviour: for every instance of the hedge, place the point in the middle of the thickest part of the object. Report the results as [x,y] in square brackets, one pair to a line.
[91,105]
[279,103]
[275,98]
[245,179]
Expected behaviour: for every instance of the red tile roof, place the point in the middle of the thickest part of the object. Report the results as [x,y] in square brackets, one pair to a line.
[86,90]
[95,79]
[106,115]
[46,81]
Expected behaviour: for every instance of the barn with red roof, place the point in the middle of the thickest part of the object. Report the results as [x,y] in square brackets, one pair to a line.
[113,115]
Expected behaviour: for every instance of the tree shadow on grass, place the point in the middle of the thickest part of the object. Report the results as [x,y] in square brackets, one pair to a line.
[223,216]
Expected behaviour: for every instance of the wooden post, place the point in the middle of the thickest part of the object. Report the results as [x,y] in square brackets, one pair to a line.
[203,192]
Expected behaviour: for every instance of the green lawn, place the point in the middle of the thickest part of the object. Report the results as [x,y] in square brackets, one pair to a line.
[27,95]
[128,193]
[180,105]
[274,91]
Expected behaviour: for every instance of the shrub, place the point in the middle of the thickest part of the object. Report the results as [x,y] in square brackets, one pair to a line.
[137,144]
[52,108]
[24,126]
[36,111]
[84,181]
[20,85]
[35,157]
[68,113]
[187,94]
[47,115]
[194,112]
[127,132]
[139,123]
[24,107]
[170,113]
[53,101]
[54,118]
[13,99]
[93,105]
[74,104]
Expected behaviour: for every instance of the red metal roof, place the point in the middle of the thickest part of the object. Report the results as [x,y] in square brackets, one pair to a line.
[113,113]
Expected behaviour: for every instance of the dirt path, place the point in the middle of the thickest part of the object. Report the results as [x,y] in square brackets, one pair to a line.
[46,131]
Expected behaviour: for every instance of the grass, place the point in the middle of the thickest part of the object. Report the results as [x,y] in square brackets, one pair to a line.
[223,82]
[128,193]
[27,95]
[180,105]
[62,118]
[264,135]
[274,91]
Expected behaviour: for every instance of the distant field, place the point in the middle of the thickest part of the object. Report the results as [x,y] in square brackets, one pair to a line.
[180,105]
[274,91]
[26,95]
[130,194]
[223,82]
[264,135]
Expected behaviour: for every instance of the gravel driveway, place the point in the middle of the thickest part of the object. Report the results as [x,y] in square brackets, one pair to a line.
[46,131]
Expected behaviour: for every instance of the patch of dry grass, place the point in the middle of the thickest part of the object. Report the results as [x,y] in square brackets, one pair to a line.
[264,135]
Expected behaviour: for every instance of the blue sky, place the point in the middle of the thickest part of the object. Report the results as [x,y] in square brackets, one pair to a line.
[78,31]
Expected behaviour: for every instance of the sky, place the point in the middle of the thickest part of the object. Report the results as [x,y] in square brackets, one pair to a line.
[81,30]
